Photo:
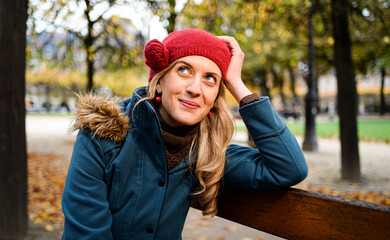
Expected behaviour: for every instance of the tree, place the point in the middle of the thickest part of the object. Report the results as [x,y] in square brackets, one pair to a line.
[383,64]
[168,11]
[370,22]
[347,94]
[96,27]
[13,161]
[269,32]
[382,94]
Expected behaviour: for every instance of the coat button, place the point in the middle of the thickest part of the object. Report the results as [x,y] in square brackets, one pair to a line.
[161,183]
[149,230]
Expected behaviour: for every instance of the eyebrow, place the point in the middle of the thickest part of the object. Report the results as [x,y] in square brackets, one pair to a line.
[190,66]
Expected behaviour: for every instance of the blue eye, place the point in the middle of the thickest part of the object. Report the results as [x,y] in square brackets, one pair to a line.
[210,78]
[183,69]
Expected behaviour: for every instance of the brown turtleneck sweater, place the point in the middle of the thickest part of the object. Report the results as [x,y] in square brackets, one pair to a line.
[178,140]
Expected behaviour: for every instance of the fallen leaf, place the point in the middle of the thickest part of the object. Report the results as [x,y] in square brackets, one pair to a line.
[231,228]
[49,228]
[46,178]
[260,237]
[382,198]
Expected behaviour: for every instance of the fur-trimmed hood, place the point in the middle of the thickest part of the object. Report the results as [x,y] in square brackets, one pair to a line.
[102,115]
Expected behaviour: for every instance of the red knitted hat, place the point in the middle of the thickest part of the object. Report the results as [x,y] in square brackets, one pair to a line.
[187,42]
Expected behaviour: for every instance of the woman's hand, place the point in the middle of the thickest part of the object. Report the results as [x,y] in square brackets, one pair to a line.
[233,81]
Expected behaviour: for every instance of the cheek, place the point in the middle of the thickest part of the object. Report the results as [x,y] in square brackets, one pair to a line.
[169,97]
[169,94]
[172,87]
[212,98]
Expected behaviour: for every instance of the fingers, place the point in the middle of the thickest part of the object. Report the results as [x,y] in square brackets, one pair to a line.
[233,44]
[237,54]
[233,81]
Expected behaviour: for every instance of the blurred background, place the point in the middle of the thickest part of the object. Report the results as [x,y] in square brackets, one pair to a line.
[75,46]
[324,64]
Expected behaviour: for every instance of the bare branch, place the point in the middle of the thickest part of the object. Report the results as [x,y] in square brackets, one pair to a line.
[101,16]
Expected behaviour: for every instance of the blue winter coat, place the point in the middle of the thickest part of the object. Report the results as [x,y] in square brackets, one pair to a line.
[123,190]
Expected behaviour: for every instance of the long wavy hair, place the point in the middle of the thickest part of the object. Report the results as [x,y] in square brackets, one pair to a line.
[208,147]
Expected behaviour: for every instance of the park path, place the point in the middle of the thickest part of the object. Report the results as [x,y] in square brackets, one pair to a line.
[49,134]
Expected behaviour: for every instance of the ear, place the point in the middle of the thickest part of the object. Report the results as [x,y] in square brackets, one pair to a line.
[158,87]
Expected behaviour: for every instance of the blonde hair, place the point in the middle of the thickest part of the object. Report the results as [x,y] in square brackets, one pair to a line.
[210,142]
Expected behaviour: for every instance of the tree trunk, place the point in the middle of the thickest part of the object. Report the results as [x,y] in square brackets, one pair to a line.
[263,83]
[382,94]
[47,104]
[172,17]
[88,43]
[13,160]
[292,87]
[347,95]
[90,71]
[279,82]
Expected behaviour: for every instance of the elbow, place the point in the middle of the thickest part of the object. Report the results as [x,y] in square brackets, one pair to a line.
[299,174]
[303,172]
[288,178]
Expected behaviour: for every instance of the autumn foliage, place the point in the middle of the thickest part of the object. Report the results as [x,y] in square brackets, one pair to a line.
[46,181]
[382,198]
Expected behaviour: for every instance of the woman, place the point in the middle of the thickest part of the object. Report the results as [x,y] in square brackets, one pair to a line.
[136,165]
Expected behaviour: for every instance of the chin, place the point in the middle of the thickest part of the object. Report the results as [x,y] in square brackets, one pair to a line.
[189,121]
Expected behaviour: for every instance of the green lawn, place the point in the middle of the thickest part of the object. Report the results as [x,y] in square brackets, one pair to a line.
[373,130]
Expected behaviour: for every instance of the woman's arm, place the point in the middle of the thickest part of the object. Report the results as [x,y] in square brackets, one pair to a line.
[233,81]
[278,161]
[84,201]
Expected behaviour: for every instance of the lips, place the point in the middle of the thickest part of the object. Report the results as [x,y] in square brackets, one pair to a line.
[189,104]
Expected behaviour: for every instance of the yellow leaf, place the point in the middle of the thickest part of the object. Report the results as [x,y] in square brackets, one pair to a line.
[49,228]
[330,41]
[38,220]
[115,18]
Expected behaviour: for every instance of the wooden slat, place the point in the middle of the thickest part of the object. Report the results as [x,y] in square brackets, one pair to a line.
[298,214]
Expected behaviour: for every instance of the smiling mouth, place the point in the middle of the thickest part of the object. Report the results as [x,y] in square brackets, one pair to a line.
[189,104]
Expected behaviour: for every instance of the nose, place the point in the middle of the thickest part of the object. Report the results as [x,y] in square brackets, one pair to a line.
[194,87]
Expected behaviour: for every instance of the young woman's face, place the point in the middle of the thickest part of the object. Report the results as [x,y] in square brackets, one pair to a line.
[189,90]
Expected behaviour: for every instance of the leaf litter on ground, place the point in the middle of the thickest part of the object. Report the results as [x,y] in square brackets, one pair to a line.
[46,181]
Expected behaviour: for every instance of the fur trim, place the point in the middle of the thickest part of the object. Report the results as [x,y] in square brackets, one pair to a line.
[102,115]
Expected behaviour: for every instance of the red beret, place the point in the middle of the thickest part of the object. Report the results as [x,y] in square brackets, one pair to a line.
[187,42]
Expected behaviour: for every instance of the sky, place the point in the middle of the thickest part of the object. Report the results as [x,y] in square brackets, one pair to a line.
[141,17]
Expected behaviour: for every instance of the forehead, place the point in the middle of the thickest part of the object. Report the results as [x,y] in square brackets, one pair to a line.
[202,63]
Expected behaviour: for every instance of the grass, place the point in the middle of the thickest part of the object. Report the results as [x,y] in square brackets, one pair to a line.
[375,130]
[368,130]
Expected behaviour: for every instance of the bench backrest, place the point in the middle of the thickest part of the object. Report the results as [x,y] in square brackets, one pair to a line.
[298,214]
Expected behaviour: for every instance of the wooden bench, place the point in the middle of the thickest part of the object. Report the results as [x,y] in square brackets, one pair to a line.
[298,214]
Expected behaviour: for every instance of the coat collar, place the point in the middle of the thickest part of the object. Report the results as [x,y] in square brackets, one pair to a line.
[109,117]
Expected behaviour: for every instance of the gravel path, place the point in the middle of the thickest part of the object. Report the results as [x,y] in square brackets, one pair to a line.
[50,135]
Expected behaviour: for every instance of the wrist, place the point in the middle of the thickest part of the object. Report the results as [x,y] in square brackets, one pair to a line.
[238,90]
